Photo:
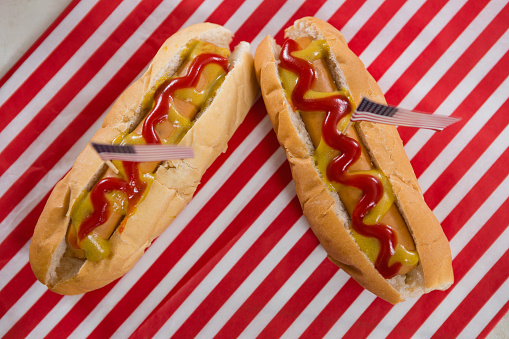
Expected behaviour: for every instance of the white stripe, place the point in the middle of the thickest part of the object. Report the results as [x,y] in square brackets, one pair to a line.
[45,48]
[480,218]
[274,305]
[223,267]
[22,211]
[248,286]
[21,307]
[487,312]
[360,17]
[392,318]
[322,299]
[390,30]
[202,12]
[27,204]
[328,9]
[425,37]
[351,315]
[460,240]
[54,316]
[64,75]
[275,24]
[197,249]
[453,53]
[473,175]
[241,15]
[155,250]
[13,266]
[75,106]
[464,89]
[201,245]
[464,286]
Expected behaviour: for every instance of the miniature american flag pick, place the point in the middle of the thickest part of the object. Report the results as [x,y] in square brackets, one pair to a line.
[371,111]
[142,153]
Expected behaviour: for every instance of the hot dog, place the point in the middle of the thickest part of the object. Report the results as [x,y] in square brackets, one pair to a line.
[356,186]
[98,221]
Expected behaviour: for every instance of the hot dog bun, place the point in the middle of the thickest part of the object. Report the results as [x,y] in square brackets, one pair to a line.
[322,208]
[175,181]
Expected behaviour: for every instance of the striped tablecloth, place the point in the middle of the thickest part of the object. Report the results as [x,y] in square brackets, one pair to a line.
[240,260]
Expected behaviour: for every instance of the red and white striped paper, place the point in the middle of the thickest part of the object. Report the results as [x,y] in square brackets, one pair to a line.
[240,260]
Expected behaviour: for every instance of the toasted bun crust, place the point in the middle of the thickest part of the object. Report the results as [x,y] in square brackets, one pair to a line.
[322,208]
[175,181]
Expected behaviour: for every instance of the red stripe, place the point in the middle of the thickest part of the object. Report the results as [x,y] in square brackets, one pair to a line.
[344,13]
[300,300]
[466,111]
[21,234]
[224,11]
[15,288]
[491,325]
[433,52]
[369,319]
[34,315]
[334,310]
[476,196]
[250,122]
[39,41]
[405,37]
[203,266]
[475,300]
[257,20]
[193,230]
[270,285]
[88,115]
[461,265]
[55,61]
[79,312]
[230,282]
[467,157]
[456,73]
[374,25]
[75,84]
[56,150]
[456,219]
